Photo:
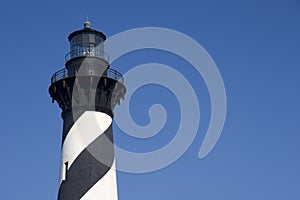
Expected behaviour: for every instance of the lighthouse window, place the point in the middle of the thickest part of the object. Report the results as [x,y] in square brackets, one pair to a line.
[64,171]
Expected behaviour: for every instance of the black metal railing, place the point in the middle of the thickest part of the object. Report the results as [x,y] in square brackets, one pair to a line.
[88,52]
[63,73]
[109,73]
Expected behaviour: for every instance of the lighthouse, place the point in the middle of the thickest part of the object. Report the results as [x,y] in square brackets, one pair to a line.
[87,90]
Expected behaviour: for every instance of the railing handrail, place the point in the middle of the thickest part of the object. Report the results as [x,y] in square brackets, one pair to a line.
[83,53]
[109,73]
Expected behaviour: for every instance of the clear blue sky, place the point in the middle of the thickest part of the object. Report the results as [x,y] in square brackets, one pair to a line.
[255,44]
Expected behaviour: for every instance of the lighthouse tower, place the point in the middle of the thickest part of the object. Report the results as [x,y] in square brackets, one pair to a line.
[87,90]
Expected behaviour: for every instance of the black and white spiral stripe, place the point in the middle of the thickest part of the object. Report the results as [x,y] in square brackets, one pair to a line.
[83,175]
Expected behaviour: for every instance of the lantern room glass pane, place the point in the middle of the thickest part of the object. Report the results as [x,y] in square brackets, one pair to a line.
[86,45]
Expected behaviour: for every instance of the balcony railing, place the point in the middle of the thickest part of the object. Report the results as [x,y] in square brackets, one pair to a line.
[90,52]
[65,73]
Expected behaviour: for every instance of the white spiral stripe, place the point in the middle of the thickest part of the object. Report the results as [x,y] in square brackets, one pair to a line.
[156,73]
[190,50]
